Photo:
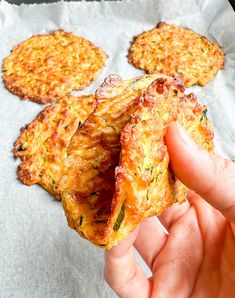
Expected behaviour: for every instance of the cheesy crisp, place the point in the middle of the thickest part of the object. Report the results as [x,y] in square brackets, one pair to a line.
[171,49]
[93,155]
[145,185]
[115,183]
[42,144]
[47,67]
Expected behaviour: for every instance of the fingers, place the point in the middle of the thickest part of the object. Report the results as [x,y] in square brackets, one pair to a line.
[150,240]
[173,213]
[122,272]
[218,248]
[176,267]
[211,176]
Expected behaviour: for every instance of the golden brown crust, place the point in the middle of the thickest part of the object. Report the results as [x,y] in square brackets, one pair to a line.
[145,185]
[171,49]
[42,144]
[47,67]
[101,204]
[94,154]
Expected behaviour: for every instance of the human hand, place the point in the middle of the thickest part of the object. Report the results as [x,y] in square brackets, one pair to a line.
[197,258]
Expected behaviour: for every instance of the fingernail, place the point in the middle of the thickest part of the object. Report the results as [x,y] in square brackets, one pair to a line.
[185,138]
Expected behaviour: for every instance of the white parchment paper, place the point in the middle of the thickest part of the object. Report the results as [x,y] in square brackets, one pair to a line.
[39,255]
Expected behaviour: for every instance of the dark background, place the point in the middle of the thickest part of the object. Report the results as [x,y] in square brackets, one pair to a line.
[49,1]
[232,2]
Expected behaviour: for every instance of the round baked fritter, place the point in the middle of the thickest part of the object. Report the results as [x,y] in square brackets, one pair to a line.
[47,67]
[42,144]
[108,194]
[94,153]
[145,185]
[171,49]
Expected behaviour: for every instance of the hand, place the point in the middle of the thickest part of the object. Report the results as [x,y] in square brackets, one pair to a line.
[197,258]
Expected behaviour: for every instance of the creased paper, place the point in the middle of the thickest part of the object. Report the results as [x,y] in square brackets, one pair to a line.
[39,255]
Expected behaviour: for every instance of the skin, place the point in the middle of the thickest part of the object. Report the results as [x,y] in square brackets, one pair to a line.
[197,258]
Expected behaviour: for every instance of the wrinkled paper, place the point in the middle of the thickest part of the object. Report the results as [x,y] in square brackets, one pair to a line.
[39,255]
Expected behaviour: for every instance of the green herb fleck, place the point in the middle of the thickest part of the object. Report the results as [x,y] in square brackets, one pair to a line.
[155,179]
[81,220]
[79,124]
[204,115]
[120,217]
[149,170]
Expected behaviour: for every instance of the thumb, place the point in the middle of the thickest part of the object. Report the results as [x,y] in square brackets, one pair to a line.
[208,174]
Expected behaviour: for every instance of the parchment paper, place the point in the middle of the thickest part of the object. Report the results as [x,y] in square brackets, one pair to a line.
[39,255]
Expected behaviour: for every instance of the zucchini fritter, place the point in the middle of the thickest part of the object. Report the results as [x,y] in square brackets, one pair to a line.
[94,153]
[104,205]
[42,144]
[145,185]
[171,49]
[47,67]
